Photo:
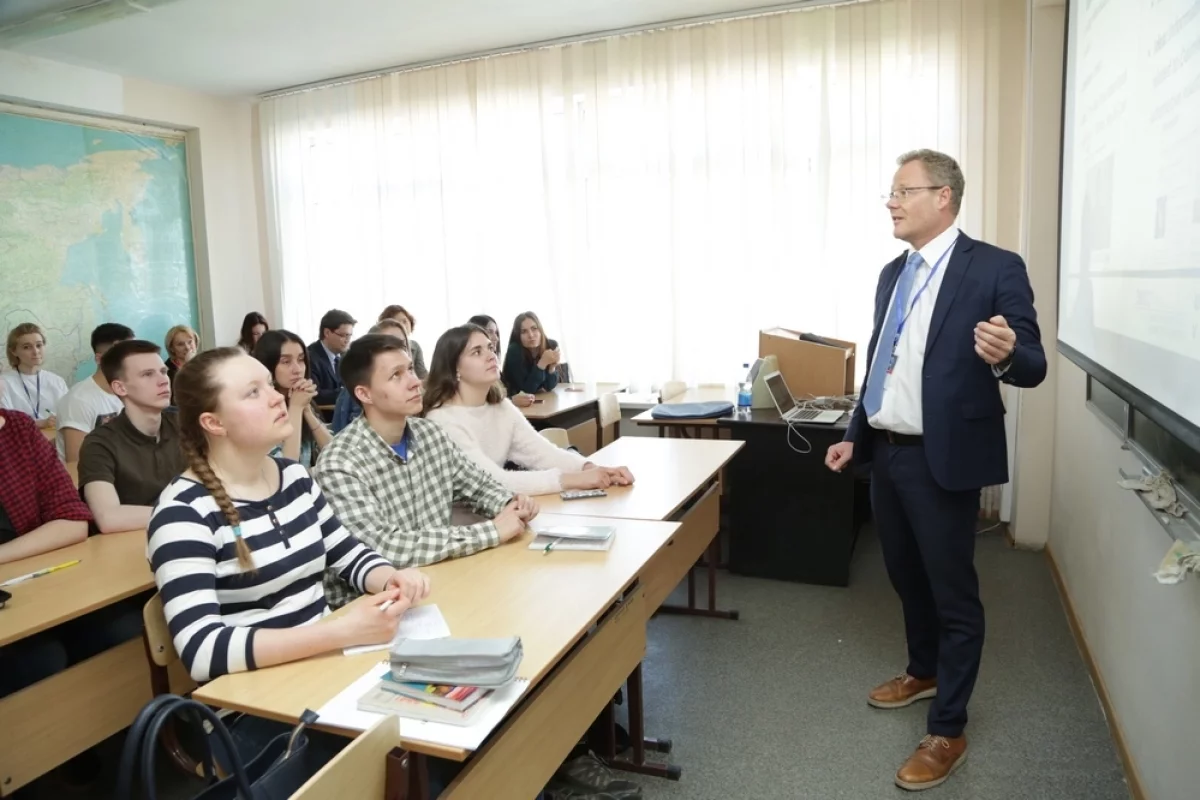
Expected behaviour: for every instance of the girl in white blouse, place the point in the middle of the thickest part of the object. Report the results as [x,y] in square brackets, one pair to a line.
[31,389]
[464,396]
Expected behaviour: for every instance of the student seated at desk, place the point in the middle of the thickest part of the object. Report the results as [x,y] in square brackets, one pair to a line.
[182,343]
[400,314]
[463,396]
[325,354]
[347,409]
[393,479]
[40,511]
[226,532]
[239,543]
[254,325]
[31,389]
[282,353]
[529,365]
[90,402]
[125,464]
[490,326]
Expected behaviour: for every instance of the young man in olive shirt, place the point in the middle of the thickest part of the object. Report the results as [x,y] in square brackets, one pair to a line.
[125,465]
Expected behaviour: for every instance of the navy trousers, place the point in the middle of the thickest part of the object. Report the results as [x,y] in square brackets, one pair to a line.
[928,538]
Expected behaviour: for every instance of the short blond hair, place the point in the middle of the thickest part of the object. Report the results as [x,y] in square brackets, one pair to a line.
[16,333]
[178,329]
[943,171]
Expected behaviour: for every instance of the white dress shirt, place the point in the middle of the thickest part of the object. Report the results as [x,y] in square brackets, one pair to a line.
[332,358]
[900,410]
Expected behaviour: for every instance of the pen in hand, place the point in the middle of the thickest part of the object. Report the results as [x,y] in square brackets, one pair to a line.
[385,605]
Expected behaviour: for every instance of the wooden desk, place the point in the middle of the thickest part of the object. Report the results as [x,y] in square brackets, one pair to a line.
[527,748]
[112,567]
[667,489]
[570,405]
[678,480]
[54,720]
[550,601]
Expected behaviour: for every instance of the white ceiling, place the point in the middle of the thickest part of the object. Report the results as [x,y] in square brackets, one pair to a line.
[246,47]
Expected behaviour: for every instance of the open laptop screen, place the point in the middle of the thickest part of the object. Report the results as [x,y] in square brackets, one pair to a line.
[780,393]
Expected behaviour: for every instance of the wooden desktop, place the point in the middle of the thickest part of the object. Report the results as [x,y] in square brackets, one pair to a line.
[57,718]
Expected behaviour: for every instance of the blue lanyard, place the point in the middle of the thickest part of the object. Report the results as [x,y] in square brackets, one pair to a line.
[924,285]
[37,409]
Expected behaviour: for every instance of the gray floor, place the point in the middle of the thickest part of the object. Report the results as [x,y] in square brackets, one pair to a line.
[783,712]
[773,706]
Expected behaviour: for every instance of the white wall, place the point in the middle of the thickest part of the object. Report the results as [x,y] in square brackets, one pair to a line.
[224,184]
[1144,638]
[1031,412]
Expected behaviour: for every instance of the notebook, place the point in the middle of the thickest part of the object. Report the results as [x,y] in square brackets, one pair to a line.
[573,537]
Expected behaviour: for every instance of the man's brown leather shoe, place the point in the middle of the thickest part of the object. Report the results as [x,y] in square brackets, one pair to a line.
[902,690]
[935,758]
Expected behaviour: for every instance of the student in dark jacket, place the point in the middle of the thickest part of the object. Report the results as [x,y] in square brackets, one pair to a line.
[529,366]
[325,354]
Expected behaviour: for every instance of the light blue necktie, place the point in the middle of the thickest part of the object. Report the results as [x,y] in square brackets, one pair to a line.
[873,397]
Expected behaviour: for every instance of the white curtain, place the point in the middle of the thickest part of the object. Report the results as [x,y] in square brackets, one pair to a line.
[656,198]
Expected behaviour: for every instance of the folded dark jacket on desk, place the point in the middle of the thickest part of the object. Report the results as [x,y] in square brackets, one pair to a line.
[712,410]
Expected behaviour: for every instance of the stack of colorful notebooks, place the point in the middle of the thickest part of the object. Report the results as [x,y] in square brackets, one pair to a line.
[455,705]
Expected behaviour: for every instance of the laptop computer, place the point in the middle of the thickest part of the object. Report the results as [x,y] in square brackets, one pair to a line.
[790,410]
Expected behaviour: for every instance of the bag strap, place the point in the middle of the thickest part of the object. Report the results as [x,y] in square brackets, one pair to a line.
[133,742]
[143,736]
[203,712]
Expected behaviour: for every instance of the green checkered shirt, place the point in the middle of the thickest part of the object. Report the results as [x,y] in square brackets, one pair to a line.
[401,507]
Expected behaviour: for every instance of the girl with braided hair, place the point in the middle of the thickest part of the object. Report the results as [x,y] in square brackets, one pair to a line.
[239,542]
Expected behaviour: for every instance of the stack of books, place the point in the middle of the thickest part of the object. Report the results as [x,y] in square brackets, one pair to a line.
[454,705]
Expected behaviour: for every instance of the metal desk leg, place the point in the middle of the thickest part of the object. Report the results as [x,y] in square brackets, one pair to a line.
[711,556]
[637,733]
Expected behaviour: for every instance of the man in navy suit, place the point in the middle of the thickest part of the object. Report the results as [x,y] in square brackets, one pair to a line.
[325,354]
[954,317]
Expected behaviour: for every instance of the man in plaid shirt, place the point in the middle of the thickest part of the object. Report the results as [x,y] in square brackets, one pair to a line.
[393,479]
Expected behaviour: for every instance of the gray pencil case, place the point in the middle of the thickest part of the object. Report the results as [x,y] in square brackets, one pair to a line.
[486,663]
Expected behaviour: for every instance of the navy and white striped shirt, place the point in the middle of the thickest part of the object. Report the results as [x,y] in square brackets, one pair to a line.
[214,606]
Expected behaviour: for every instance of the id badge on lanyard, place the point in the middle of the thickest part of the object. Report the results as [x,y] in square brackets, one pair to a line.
[891,367]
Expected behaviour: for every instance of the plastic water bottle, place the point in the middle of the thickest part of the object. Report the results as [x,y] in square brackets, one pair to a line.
[744,391]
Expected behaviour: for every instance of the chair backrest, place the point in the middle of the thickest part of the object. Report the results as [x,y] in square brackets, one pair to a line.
[610,410]
[557,436]
[671,389]
[158,635]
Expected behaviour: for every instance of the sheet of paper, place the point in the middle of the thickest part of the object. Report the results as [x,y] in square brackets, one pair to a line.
[342,712]
[422,622]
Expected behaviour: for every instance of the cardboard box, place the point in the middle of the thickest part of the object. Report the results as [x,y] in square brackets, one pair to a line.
[811,368]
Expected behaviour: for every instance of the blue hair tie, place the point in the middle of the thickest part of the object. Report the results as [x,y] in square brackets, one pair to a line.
[237,531]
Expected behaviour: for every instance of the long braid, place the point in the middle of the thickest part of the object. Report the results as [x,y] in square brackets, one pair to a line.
[204,471]
[196,391]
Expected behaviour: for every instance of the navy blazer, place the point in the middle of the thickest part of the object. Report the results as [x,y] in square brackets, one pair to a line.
[961,407]
[321,372]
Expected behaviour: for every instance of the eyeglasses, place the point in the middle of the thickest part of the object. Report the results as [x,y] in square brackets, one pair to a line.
[905,193]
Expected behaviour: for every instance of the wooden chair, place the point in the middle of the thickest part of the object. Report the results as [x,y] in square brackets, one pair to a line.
[610,414]
[671,390]
[160,652]
[557,436]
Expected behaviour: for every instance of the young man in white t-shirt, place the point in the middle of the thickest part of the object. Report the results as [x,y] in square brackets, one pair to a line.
[90,402]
